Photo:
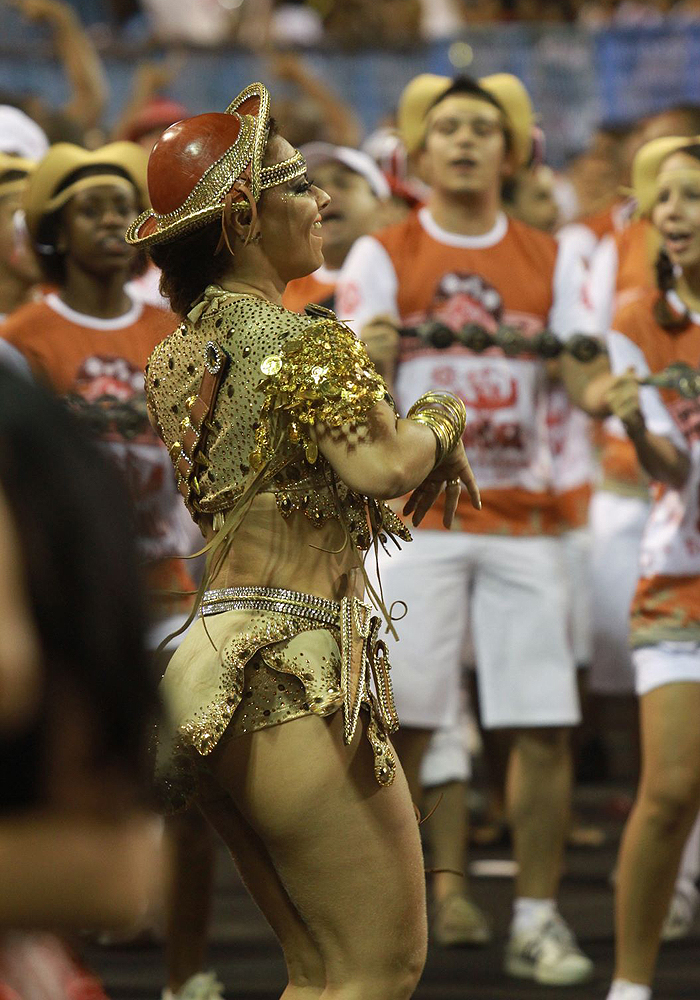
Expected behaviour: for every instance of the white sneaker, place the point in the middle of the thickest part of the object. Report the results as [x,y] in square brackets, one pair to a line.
[548,954]
[681,913]
[201,986]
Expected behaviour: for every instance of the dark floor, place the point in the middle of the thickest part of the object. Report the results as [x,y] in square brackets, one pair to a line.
[246,957]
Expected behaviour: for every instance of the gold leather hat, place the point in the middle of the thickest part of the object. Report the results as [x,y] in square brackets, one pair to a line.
[10,166]
[647,164]
[46,193]
[507,90]
[201,164]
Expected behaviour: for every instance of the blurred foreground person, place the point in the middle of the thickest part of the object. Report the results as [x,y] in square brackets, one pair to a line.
[78,846]
[457,260]
[659,329]
[285,444]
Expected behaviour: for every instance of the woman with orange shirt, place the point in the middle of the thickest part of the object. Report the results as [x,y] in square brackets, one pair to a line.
[658,329]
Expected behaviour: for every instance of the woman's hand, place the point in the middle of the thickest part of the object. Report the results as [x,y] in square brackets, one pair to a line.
[452,471]
[623,399]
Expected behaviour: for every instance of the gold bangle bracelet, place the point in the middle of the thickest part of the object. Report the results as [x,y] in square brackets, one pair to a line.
[445,414]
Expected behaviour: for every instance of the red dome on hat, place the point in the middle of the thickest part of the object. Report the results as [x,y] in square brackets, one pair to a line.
[183,153]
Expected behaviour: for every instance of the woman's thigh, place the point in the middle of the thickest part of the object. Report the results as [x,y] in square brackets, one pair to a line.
[346,850]
[260,878]
[670,731]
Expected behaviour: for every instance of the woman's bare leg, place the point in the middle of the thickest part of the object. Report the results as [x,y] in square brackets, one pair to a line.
[448,835]
[445,809]
[346,850]
[307,977]
[190,896]
[665,809]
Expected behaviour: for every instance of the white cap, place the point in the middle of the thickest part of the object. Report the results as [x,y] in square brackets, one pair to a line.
[360,163]
[20,135]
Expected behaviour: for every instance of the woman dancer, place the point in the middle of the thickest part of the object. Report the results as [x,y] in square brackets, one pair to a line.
[659,329]
[285,443]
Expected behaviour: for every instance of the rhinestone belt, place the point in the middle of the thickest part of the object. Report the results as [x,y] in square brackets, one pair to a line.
[290,602]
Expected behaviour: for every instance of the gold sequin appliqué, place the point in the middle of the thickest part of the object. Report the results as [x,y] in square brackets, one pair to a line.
[324,376]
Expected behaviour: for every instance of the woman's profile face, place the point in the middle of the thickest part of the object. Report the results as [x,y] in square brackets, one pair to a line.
[290,219]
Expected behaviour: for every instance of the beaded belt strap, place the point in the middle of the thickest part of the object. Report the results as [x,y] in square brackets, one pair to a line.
[364,656]
[291,602]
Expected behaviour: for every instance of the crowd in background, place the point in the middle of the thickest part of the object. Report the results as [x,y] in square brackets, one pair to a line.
[354,23]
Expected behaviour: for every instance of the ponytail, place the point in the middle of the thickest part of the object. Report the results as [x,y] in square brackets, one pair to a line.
[664,315]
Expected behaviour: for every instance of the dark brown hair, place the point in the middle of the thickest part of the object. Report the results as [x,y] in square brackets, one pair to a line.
[665,316]
[467,86]
[189,264]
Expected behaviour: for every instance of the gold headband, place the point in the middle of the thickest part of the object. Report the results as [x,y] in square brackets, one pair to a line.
[280,173]
[94,180]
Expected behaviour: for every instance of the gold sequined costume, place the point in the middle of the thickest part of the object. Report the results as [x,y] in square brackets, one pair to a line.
[259,654]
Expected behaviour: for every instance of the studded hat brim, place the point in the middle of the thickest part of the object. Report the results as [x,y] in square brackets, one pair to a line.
[253,106]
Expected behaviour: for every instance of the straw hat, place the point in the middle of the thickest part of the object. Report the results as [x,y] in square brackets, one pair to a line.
[507,90]
[647,164]
[202,165]
[10,167]
[46,193]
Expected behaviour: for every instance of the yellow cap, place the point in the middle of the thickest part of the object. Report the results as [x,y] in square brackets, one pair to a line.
[42,196]
[10,165]
[647,164]
[507,90]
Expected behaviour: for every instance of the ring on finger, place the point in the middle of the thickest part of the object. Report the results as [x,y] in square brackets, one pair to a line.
[453,482]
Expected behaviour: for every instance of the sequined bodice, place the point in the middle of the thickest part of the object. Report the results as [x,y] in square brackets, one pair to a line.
[259,426]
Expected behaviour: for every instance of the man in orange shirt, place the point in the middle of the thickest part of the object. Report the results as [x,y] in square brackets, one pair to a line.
[459,259]
[359,193]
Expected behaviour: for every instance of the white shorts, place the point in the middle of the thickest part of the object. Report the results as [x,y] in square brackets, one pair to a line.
[667,663]
[512,594]
[617,524]
[577,558]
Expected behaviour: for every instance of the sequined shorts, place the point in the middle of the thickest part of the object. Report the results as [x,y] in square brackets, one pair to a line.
[258,657]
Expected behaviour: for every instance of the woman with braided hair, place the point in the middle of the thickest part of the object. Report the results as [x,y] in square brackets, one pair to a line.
[285,444]
[658,329]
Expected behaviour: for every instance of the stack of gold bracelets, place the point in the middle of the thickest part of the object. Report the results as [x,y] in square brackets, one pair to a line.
[446,416]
